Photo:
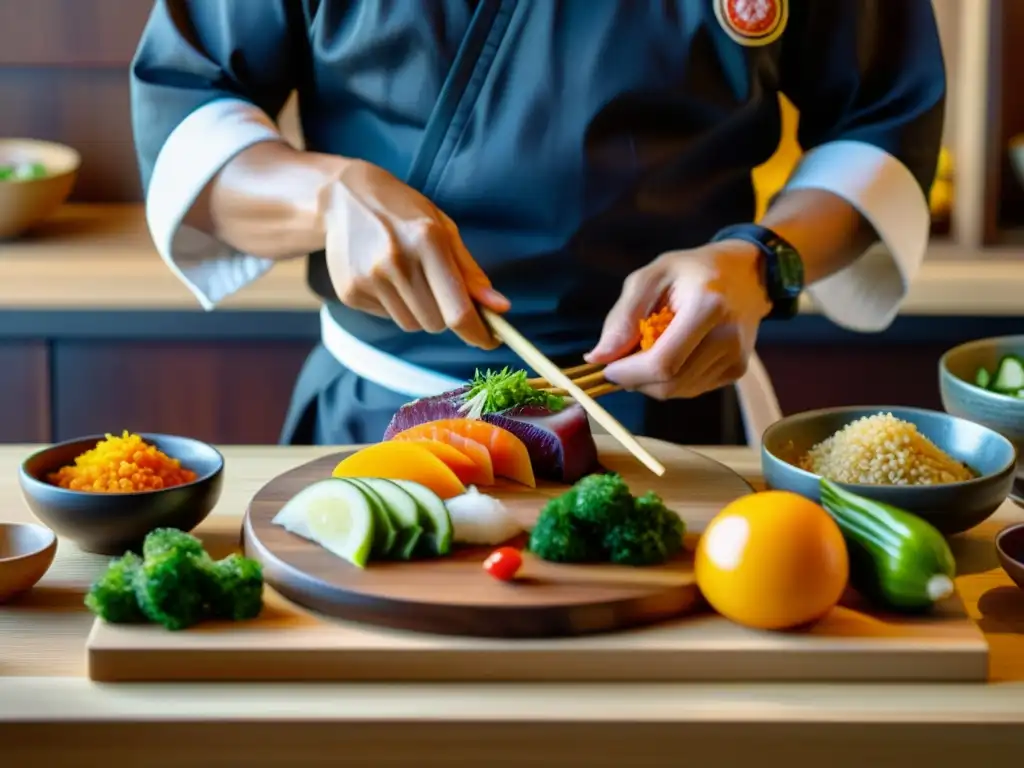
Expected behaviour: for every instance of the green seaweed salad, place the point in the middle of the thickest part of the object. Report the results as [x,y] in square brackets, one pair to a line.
[598,520]
[176,584]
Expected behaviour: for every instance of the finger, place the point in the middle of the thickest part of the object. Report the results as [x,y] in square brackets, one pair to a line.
[702,372]
[453,295]
[367,304]
[395,307]
[477,283]
[662,362]
[620,334]
[417,294]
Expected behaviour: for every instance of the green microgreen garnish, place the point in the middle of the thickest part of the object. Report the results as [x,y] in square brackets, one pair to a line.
[496,391]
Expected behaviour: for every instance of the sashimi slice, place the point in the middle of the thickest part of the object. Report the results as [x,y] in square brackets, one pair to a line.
[483,469]
[560,443]
[508,453]
[458,461]
[402,461]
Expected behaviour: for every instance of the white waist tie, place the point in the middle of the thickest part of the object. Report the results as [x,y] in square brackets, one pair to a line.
[377,366]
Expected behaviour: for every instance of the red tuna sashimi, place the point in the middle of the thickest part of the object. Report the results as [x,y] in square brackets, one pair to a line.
[560,444]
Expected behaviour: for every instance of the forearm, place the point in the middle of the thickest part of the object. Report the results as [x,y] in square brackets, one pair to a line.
[269,200]
[828,232]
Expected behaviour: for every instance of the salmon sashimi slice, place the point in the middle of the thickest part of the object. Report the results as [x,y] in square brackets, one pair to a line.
[469,460]
[509,457]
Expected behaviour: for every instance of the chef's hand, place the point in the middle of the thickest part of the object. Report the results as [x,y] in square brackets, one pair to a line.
[391,252]
[718,296]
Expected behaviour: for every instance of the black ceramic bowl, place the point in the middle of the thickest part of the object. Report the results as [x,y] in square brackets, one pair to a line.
[951,507]
[112,523]
[1010,549]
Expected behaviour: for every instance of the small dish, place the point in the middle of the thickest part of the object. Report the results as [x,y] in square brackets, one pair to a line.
[952,508]
[1017,492]
[112,523]
[1010,549]
[24,202]
[26,554]
[961,397]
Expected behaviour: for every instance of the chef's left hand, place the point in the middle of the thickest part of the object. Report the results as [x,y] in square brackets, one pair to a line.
[718,296]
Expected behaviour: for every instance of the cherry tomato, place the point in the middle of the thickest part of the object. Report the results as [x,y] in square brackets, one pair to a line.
[503,564]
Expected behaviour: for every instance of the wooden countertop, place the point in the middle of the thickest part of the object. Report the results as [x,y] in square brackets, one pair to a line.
[101,257]
[50,713]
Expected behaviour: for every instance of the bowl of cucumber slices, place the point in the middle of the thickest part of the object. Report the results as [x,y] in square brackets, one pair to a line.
[983,381]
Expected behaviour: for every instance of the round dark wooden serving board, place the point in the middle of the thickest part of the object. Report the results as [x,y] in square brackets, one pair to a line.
[453,595]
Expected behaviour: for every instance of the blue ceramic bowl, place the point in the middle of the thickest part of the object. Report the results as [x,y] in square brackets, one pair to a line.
[952,507]
[962,398]
[112,523]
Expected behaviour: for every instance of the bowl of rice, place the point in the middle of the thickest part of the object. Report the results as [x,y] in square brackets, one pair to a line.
[952,472]
[106,492]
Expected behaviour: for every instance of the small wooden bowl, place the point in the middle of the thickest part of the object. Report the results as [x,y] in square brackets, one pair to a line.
[26,554]
[26,202]
[1010,549]
[113,523]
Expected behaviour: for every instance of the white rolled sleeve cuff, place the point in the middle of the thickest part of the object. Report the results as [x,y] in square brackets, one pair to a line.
[866,295]
[192,155]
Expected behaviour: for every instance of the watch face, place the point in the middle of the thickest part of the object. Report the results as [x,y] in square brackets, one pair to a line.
[790,274]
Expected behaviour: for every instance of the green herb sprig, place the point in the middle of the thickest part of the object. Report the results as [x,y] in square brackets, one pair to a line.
[497,391]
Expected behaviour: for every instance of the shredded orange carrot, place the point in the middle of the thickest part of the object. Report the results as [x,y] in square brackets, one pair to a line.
[125,464]
[652,327]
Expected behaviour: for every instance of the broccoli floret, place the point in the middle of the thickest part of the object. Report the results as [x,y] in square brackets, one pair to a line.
[602,499]
[112,595]
[561,537]
[651,535]
[172,588]
[166,539]
[235,588]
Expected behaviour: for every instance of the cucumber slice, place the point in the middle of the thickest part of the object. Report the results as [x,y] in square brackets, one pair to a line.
[400,504]
[404,513]
[433,515]
[1009,375]
[409,539]
[983,378]
[385,535]
[335,514]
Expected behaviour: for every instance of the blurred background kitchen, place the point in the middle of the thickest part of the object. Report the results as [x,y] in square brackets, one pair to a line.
[95,330]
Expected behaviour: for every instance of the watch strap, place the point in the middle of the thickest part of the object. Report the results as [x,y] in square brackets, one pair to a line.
[783,267]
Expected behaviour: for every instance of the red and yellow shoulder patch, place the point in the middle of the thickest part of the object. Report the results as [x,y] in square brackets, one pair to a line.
[753,23]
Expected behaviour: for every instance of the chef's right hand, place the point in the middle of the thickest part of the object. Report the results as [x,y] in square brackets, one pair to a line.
[391,252]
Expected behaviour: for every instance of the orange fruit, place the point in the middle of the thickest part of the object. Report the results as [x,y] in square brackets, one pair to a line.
[772,560]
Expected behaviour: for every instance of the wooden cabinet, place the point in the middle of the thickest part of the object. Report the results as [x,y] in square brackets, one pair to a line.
[226,392]
[24,392]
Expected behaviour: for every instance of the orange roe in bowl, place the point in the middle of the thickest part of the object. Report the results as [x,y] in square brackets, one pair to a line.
[653,326]
[125,464]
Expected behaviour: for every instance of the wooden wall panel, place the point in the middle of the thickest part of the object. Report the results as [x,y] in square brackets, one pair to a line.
[223,392]
[24,392]
[70,32]
[87,109]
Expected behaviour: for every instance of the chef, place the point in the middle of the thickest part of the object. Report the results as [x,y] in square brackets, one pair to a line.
[572,163]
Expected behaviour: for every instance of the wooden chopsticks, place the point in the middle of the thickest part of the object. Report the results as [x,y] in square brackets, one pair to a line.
[588,377]
[536,359]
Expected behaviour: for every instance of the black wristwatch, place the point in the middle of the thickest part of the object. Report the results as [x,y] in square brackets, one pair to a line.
[783,267]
